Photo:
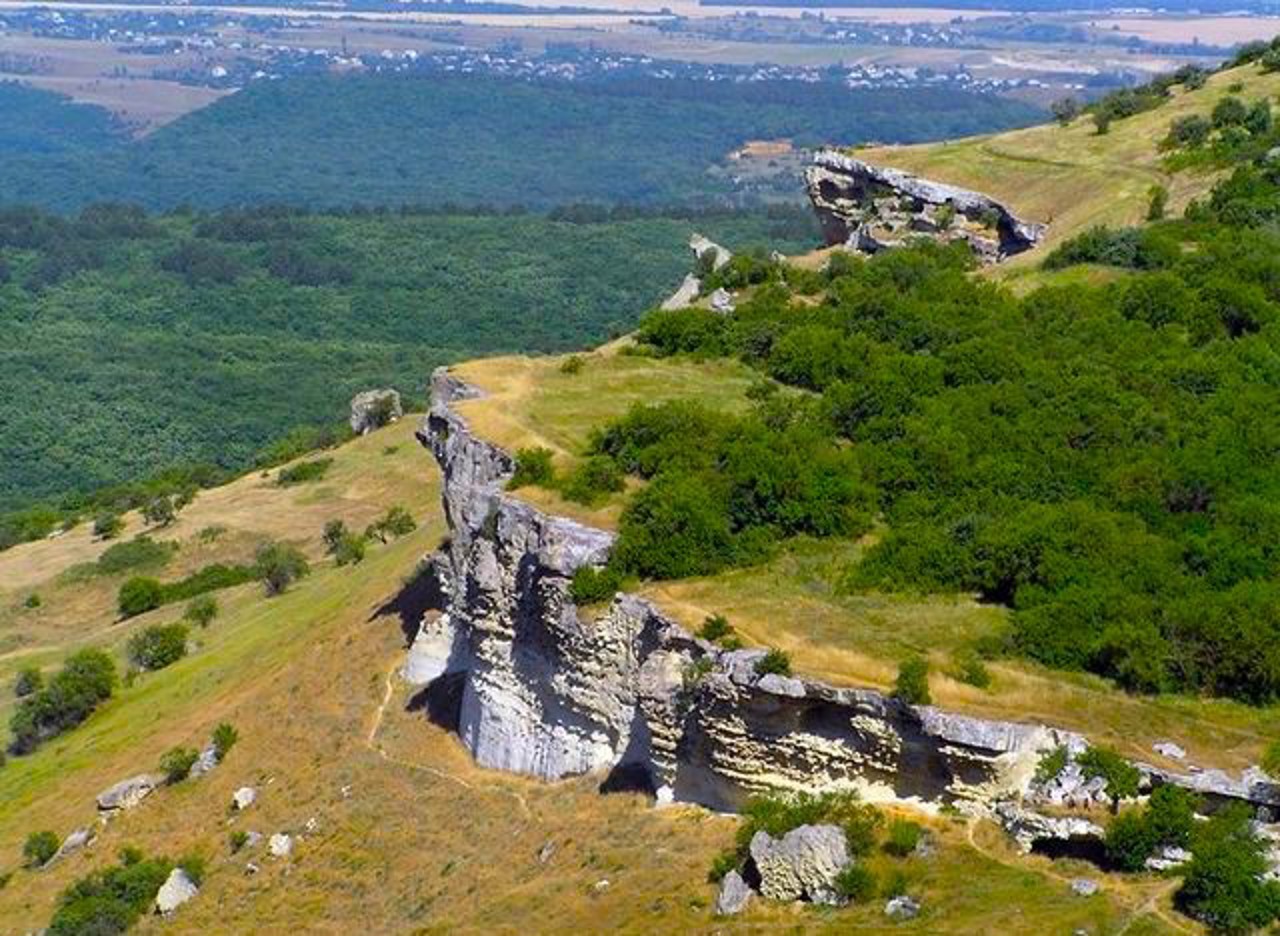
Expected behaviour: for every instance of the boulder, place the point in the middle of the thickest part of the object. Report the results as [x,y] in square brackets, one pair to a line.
[722,301]
[734,895]
[684,295]
[902,907]
[128,793]
[1167,858]
[280,845]
[244,797]
[701,246]
[1169,749]
[73,843]
[803,864]
[1084,887]
[207,760]
[177,889]
[373,409]
[782,685]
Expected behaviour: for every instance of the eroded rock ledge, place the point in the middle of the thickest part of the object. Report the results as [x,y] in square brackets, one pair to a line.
[533,685]
[870,208]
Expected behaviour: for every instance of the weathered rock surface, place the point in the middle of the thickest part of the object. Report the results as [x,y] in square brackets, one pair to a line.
[280,845]
[684,295]
[1027,827]
[244,797]
[734,895]
[802,865]
[128,793]
[902,907]
[722,301]
[1167,857]
[870,208]
[532,686]
[72,844]
[207,760]
[701,246]
[177,889]
[372,409]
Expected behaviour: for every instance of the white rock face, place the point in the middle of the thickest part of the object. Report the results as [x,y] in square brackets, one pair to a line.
[734,895]
[802,865]
[244,797]
[1027,827]
[207,760]
[701,245]
[73,843]
[280,845]
[684,295]
[177,889]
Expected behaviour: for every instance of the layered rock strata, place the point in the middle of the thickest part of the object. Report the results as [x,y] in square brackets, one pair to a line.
[871,208]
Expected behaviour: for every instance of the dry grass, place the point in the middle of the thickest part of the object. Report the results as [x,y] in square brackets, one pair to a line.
[1070,177]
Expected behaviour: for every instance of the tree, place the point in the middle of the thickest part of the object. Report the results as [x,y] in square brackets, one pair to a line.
[139,595]
[158,646]
[1065,110]
[39,848]
[1130,841]
[107,525]
[1230,111]
[350,550]
[87,678]
[1121,776]
[202,610]
[160,511]
[1222,885]
[1101,122]
[334,533]
[280,565]
[912,685]
[533,467]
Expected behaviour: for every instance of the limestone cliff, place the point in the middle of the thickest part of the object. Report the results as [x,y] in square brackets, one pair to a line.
[870,208]
[533,684]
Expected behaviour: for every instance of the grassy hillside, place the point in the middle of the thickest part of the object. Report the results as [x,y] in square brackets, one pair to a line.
[1070,177]
[137,342]
[338,141]
[409,836]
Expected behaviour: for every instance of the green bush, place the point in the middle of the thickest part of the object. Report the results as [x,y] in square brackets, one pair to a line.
[1130,841]
[856,883]
[350,550]
[396,522]
[225,737]
[774,661]
[592,479]
[912,684]
[1230,111]
[213,577]
[32,601]
[140,553]
[304,472]
[279,565]
[335,531]
[176,764]
[1051,764]
[533,467]
[1159,199]
[592,586]
[107,525]
[971,670]
[202,610]
[237,840]
[30,680]
[1121,776]
[715,628]
[1222,884]
[109,901]
[722,864]
[139,595]
[86,679]
[158,646]
[39,848]
[572,365]
[903,837]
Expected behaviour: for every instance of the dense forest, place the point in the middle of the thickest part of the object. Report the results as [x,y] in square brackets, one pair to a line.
[1103,460]
[467,140]
[136,342]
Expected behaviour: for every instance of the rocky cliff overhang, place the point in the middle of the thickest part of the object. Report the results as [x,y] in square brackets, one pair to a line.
[871,208]
[534,685]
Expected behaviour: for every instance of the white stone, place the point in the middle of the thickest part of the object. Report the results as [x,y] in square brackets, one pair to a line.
[734,895]
[129,793]
[902,907]
[1084,887]
[177,889]
[1169,749]
[244,797]
[280,845]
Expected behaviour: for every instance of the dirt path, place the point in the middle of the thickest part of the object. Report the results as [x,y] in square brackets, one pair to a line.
[372,743]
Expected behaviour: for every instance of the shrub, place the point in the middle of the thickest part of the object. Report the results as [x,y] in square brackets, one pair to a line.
[39,848]
[87,678]
[1065,110]
[140,553]
[1130,841]
[1051,764]
[1102,123]
[774,661]
[225,737]
[350,550]
[533,467]
[30,680]
[856,883]
[237,840]
[158,646]
[1230,111]
[139,595]
[209,578]
[194,865]
[279,565]
[722,864]
[176,764]
[110,901]
[202,610]
[304,472]
[715,627]
[912,684]
[396,522]
[592,586]
[32,601]
[1159,196]
[592,479]
[572,365]
[779,814]
[1121,776]
[904,837]
[1222,885]
[107,525]
[335,531]
[971,670]
[1171,814]
[160,511]
[1191,130]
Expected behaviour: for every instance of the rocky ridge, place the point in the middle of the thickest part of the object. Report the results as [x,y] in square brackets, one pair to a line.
[872,208]
[533,684]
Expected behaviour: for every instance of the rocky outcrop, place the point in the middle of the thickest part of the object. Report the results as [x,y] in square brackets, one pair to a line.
[533,684]
[374,409]
[177,889]
[802,865]
[684,295]
[870,208]
[707,252]
[734,895]
[1030,829]
[128,793]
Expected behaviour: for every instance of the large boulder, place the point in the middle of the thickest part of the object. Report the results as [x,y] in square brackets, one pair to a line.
[73,843]
[734,895]
[207,760]
[803,864]
[128,793]
[177,889]
[373,409]
[244,797]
